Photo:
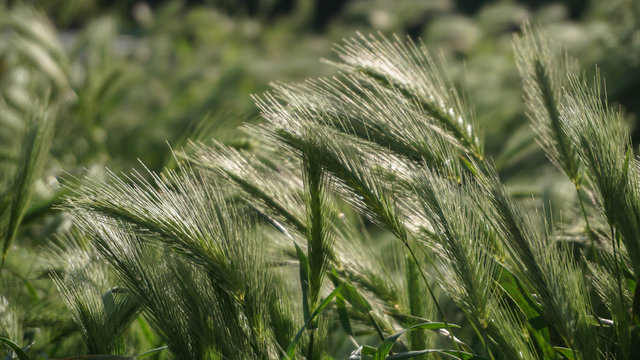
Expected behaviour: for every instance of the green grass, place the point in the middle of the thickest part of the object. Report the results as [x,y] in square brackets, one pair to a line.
[361,217]
[523,294]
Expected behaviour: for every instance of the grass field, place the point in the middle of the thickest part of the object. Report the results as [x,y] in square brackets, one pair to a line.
[256,180]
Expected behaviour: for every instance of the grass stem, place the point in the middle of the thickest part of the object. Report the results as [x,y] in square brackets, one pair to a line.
[592,245]
[432,294]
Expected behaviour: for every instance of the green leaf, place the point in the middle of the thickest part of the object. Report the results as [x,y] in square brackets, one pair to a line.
[417,320]
[35,147]
[304,281]
[151,352]
[410,354]
[343,315]
[387,344]
[462,355]
[538,322]
[508,283]
[354,298]
[511,286]
[565,352]
[449,353]
[291,349]
[543,343]
[368,350]
[410,319]
[16,348]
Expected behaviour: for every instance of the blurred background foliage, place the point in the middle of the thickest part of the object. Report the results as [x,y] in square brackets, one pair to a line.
[124,82]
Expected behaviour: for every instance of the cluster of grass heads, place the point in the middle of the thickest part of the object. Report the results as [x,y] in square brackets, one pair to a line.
[266,251]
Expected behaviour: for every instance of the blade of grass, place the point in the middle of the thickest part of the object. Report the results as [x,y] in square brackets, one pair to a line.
[35,146]
[292,347]
[16,348]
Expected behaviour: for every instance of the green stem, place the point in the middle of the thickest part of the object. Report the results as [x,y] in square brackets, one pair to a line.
[592,248]
[432,295]
[311,340]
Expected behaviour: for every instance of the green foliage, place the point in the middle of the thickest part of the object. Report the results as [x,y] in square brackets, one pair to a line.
[35,146]
[363,216]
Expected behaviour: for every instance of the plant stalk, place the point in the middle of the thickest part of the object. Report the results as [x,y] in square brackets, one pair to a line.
[592,245]
[432,295]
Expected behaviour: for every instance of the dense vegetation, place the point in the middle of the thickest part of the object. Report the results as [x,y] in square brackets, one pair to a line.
[373,213]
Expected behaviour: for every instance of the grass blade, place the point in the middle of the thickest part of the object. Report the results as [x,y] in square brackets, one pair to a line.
[16,348]
[291,350]
[35,146]
[385,348]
